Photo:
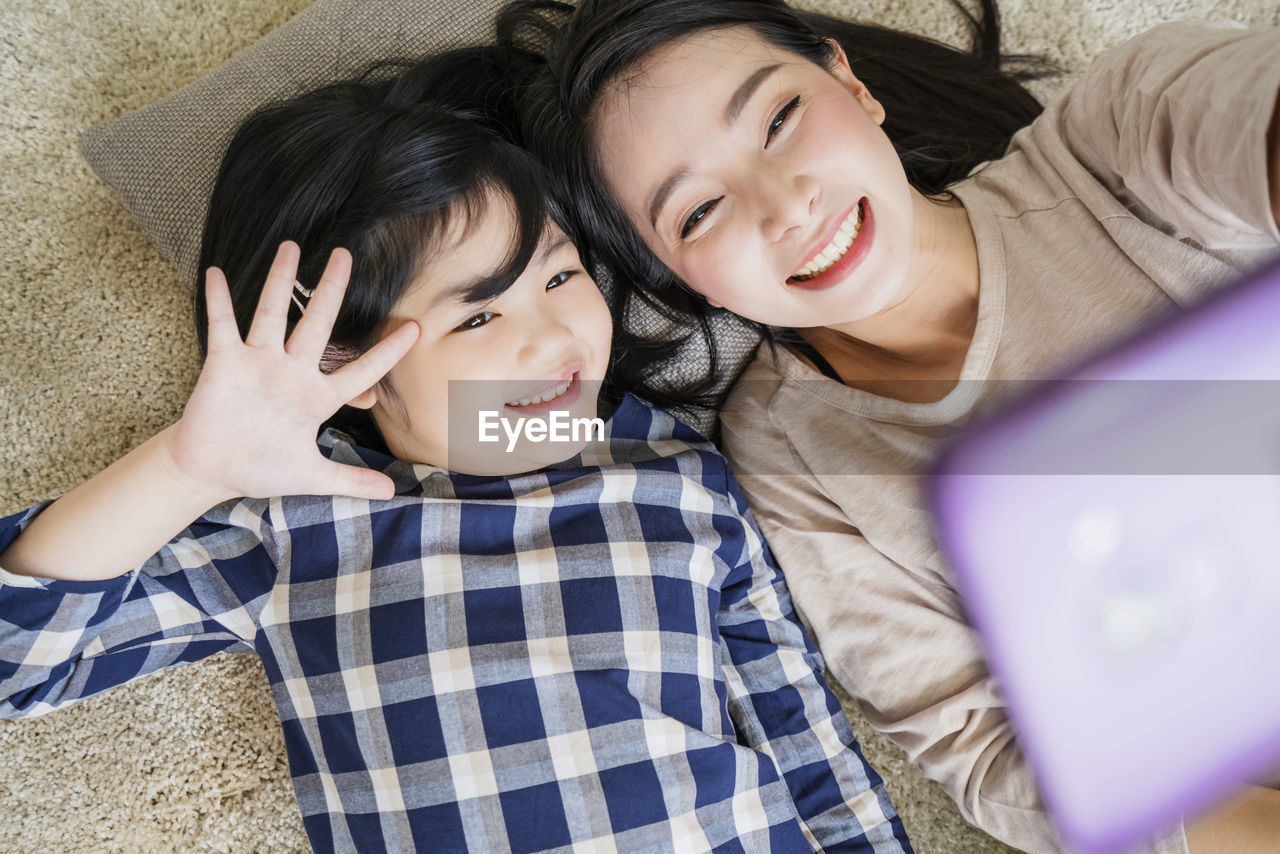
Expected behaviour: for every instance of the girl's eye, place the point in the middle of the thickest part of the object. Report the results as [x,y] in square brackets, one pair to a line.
[560,278]
[780,119]
[696,217]
[475,321]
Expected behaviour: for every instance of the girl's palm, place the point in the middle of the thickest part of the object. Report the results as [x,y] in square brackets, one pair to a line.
[250,425]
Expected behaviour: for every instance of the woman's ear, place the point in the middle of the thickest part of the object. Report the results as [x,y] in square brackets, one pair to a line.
[843,72]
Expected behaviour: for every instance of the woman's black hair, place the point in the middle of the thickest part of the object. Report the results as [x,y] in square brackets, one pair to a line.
[947,111]
[383,166]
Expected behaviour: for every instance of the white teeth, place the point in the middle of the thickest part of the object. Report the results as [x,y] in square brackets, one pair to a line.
[546,396]
[835,250]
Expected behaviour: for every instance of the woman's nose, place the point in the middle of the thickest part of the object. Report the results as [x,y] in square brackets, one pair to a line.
[787,202]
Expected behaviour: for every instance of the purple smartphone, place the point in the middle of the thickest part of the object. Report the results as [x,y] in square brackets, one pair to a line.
[1115,537]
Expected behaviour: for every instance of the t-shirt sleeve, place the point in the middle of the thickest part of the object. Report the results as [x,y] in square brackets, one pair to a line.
[1176,120]
[62,641]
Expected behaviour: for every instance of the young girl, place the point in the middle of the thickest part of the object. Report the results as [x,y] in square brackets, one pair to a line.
[564,646]
[729,148]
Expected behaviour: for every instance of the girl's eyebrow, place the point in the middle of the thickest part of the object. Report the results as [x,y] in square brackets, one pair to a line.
[460,292]
[551,248]
[732,111]
[476,290]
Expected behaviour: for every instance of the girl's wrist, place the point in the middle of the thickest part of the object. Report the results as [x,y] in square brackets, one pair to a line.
[117,519]
[191,477]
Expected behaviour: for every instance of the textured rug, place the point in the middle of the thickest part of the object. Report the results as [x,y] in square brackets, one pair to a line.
[97,353]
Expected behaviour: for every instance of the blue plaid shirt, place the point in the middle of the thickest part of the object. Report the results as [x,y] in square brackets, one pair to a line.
[598,656]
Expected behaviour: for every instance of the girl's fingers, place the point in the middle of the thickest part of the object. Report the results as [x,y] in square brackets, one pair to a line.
[273,304]
[223,332]
[339,479]
[363,373]
[312,332]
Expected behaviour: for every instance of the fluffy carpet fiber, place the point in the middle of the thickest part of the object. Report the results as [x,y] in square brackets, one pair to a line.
[97,353]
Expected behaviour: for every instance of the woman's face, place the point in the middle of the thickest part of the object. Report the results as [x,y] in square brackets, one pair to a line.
[762,180]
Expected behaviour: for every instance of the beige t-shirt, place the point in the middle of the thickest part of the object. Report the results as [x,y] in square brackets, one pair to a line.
[1139,191]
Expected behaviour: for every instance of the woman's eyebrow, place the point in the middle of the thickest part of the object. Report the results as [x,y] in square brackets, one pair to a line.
[732,111]
[663,192]
[744,92]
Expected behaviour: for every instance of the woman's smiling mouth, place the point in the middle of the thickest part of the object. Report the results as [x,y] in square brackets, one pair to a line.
[848,246]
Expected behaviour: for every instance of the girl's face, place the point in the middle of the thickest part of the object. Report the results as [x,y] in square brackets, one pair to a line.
[762,180]
[541,346]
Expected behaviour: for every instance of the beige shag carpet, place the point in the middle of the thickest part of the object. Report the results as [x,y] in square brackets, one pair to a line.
[97,353]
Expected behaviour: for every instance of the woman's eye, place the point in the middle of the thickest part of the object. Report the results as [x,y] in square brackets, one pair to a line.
[560,278]
[697,216]
[781,118]
[475,321]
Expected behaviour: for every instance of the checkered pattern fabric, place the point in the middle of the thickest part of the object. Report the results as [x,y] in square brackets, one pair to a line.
[599,656]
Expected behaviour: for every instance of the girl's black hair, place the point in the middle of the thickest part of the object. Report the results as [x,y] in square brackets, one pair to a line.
[383,166]
[947,111]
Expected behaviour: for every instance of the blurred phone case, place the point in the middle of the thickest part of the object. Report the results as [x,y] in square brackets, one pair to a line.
[1115,537]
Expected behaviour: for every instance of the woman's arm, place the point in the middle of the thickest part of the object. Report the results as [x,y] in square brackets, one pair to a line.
[248,430]
[900,645]
[1181,120]
[1248,824]
[896,640]
[1273,159]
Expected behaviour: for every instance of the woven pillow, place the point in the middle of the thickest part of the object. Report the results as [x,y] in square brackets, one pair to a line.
[163,158]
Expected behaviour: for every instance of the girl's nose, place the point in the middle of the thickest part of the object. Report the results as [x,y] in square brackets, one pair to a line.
[548,343]
[787,202]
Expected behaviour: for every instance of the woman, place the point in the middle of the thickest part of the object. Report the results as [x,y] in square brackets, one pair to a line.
[730,149]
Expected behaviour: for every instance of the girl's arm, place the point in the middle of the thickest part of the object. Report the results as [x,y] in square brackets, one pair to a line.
[61,641]
[115,520]
[249,429]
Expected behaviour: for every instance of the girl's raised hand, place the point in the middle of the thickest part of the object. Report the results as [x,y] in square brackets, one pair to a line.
[250,426]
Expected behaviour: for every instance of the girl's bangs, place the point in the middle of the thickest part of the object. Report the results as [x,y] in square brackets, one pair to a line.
[520,186]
